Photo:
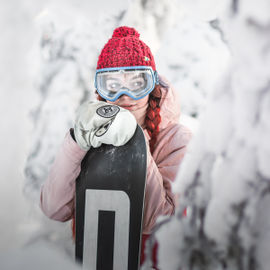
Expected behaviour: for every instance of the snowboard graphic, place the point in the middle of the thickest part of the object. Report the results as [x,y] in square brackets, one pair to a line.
[109,205]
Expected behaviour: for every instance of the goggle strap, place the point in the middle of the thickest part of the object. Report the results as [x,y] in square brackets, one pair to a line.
[156,77]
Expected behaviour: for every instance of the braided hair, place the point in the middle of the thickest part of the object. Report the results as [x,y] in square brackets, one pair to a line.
[153,119]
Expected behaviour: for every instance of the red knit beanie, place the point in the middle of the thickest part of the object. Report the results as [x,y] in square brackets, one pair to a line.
[125,49]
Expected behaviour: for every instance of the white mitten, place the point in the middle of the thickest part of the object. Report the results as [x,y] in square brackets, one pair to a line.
[98,122]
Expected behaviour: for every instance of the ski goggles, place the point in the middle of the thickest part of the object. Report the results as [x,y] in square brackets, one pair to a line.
[136,82]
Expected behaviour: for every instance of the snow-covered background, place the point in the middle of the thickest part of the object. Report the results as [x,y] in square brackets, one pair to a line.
[48,56]
[225,178]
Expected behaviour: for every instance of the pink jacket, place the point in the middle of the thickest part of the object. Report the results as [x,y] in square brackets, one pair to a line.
[58,191]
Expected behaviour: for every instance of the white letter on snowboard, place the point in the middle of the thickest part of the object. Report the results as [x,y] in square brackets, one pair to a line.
[108,200]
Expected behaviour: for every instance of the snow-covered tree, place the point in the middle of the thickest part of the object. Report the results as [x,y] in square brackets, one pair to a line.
[224,182]
[68,56]
[193,56]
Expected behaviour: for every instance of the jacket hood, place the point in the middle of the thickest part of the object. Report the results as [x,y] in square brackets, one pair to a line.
[169,104]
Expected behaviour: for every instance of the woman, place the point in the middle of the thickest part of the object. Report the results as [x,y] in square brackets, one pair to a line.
[126,76]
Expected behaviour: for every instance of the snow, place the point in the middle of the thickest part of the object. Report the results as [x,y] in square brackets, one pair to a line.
[51,50]
[39,255]
[224,181]
[188,58]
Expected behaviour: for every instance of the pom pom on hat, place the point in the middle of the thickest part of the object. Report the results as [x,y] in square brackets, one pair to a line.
[125,49]
[124,31]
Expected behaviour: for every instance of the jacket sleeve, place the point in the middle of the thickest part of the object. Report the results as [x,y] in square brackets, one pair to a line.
[58,192]
[161,172]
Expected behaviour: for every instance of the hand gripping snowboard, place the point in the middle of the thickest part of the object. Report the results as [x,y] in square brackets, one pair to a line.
[109,205]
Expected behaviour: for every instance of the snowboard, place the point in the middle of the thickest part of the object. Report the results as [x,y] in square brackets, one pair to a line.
[109,205]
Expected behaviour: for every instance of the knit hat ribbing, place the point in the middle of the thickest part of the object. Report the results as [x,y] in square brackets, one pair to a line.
[125,49]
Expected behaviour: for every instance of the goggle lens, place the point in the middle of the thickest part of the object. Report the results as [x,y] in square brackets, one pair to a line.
[136,83]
